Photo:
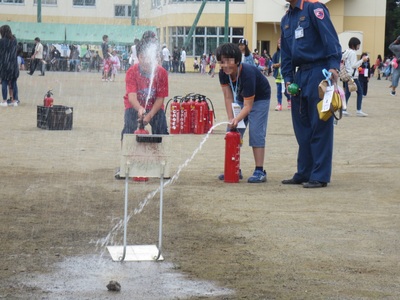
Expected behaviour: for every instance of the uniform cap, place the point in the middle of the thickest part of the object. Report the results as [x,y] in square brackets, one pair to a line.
[243,42]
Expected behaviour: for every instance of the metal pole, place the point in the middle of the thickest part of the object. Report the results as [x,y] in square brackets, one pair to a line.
[133,13]
[226,21]
[161,210]
[39,11]
[196,20]
[125,211]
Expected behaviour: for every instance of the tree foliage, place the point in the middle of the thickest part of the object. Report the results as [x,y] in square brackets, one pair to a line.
[392,23]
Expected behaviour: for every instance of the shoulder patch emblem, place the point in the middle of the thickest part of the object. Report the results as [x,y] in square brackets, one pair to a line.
[319,13]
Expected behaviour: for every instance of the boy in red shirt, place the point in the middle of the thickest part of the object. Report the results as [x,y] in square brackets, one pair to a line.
[146,88]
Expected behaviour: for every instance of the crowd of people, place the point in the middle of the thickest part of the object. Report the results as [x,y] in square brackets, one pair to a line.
[243,79]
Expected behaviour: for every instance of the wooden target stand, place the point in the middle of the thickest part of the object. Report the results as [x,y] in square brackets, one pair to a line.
[143,155]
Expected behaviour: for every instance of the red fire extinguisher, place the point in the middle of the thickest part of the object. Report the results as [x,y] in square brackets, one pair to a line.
[199,115]
[192,102]
[48,100]
[232,156]
[175,117]
[141,130]
[185,116]
[174,121]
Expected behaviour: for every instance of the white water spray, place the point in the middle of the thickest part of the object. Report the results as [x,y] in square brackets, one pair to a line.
[151,62]
[109,239]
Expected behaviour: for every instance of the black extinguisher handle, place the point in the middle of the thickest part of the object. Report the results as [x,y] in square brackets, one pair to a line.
[212,106]
[166,106]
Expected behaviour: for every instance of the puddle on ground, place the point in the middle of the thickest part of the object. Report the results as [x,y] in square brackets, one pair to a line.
[87,278]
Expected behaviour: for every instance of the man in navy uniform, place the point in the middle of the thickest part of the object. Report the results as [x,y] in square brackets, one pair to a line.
[309,44]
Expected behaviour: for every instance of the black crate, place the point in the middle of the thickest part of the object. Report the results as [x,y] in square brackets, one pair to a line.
[57,117]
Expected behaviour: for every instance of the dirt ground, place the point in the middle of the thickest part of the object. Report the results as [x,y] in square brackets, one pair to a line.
[59,202]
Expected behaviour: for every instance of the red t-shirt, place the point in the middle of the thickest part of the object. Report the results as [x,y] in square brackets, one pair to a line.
[139,84]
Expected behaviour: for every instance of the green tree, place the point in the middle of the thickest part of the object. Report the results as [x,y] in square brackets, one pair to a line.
[392,23]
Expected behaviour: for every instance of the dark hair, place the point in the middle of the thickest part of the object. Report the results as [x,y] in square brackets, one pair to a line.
[246,47]
[5,32]
[229,50]
[149,35]
[143,45]
[354,42]
[105,37]
[37,39]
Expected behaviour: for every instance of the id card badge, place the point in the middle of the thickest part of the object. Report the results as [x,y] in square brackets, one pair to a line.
[299,32]
[236,110]
[326,104]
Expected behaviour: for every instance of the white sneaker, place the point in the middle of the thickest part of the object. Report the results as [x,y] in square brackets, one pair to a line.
[4,104]
[15,103]
[345,113]
[361,114]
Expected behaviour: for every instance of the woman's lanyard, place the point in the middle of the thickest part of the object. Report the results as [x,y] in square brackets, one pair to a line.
[234,89]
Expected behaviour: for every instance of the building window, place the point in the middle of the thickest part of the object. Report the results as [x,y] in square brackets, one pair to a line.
[46,2]
[13,1]
[123,11]
[204,39]
[84,2]
[155,3]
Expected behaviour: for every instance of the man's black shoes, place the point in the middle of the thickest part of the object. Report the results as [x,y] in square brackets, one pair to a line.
[307,185]
[314,184]
[291,181]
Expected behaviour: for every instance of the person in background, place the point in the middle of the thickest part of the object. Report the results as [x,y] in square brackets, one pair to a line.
[379,66]
[104,52]
[182,65]
[115,64]
[352,64]
[133,57]
[395,48]
[165,57]
[37,58]
[9,71]
[196,65]
[176,58]
[245,85]
[20,53]
[213,64]
[74,60]
[309,44]
[107,66]
[364,74]
[247,57]
[55,56]
[203,64]
[280,83]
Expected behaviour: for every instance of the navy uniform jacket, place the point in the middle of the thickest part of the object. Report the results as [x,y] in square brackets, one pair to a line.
[319,44]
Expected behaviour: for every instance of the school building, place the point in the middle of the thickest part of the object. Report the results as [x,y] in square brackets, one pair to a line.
[256,20]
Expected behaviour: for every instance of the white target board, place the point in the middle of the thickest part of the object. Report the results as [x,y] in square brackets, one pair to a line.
[145,155]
